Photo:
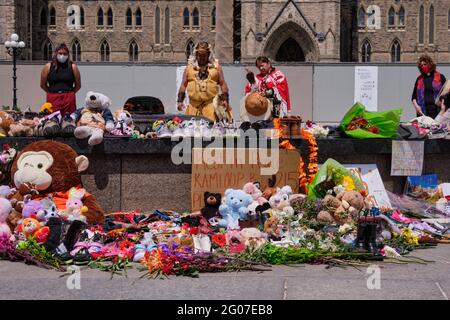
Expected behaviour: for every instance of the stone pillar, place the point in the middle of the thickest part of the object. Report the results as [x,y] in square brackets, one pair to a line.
[224,31]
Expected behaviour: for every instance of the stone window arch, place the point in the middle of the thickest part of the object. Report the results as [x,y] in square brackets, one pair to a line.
[195,18]
[431,25]
[76,50]
[186,18]
[391,17]
[105,51]
[366,51]
[213,18]
[361,17]
[396,51]
[43,19]
[100,17]
[133,52]
[167,26]
[110,16]
[47,50]
[52,16]
[129,18]
[157,25]
[189,49]
[138,17]
[401,17]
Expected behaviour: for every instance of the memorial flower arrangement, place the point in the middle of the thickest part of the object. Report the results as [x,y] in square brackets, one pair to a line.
[358,122]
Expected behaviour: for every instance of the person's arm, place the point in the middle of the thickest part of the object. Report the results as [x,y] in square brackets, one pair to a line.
[224,87]
[182,92]
[44,77]
[283,89]
[76,73]
[414,99]
[440,117]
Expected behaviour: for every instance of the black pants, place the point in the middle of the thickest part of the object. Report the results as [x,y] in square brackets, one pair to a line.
[431,111]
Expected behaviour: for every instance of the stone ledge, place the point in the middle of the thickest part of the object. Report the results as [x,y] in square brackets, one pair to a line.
[329,146]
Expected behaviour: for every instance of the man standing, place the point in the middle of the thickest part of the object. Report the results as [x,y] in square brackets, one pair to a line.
[272,84]
[202,78]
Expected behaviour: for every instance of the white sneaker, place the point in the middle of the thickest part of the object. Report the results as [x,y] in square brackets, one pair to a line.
[164,132]
[218,130]
[189,128]
[179,131]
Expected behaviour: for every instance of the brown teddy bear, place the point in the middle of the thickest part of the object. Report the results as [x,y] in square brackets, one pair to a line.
[342,209]
[23,128]
[5,122]
[54,168]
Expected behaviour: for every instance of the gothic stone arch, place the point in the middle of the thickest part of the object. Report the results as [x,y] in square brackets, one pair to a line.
[287,32]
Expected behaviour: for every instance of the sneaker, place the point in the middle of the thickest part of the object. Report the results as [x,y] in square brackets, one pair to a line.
[164,132]
[179,131]
[217,130]
[52,127]
[189,128]
[202,129]
[68,126]
[231,130]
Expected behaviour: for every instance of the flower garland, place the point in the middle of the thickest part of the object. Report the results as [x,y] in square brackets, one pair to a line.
[305,176]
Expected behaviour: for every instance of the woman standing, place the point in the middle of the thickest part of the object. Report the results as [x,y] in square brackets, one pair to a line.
[427,88]
[61,80]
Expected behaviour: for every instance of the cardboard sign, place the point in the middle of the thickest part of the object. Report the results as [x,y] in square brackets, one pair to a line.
[407,158]
[219,177]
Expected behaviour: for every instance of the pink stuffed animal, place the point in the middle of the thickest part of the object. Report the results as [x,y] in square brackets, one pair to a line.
[5,210]
[253,189]
[74,205]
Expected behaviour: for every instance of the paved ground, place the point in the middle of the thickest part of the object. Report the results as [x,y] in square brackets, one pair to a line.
[412,281]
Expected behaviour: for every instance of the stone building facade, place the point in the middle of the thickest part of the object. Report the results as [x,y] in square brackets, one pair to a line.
[285,30]
[400,30]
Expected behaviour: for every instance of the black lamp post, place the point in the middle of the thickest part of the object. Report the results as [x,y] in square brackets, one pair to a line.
[14,49]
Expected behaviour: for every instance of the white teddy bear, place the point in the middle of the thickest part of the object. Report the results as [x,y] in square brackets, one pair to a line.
[94,119]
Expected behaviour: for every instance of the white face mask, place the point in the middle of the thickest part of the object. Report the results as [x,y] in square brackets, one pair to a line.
[62,58]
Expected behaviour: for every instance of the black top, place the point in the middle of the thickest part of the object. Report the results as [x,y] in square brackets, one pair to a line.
[428,83]
[61,78]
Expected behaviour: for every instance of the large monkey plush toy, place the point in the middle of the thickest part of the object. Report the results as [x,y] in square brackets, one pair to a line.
[53,167]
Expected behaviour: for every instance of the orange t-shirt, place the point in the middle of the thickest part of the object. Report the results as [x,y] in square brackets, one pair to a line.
[59,198]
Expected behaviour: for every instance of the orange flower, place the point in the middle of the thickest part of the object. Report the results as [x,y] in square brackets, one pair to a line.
[219,239]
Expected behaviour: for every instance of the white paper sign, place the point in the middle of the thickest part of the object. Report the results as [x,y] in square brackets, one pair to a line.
[407,158]
[180,71]
[375,184]
[366,87]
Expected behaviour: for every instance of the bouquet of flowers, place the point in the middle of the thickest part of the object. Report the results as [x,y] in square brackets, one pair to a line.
[358,122]
[333,177]
[361,124]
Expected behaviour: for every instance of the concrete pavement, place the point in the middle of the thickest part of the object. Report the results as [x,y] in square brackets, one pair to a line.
[411,281]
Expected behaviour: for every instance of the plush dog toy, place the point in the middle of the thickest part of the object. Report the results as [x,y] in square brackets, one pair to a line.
[94,119]
[124,124]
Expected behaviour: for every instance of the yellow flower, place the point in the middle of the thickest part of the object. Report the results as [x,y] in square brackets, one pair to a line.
[348,183]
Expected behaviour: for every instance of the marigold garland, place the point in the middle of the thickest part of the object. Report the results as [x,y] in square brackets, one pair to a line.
[305,176]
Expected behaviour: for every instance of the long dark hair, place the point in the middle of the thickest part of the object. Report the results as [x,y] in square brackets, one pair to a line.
[54,62]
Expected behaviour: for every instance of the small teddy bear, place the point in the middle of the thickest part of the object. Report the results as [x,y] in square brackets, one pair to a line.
[254,190]
[212,204]
[94,119]
[235,208]
[280,201]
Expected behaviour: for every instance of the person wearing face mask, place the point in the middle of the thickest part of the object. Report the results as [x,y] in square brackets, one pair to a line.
[204,80]
[61,80]
[427,88]
[272,84]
